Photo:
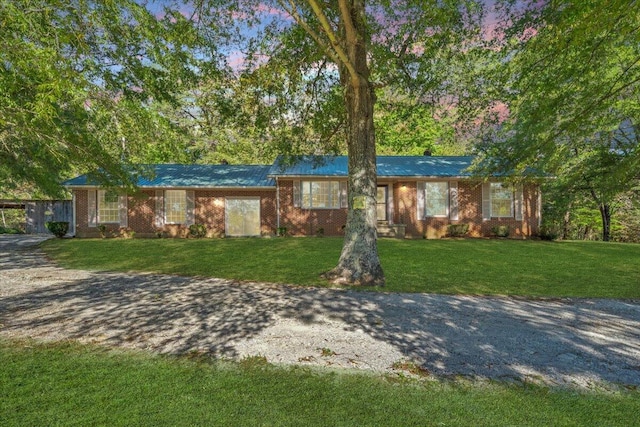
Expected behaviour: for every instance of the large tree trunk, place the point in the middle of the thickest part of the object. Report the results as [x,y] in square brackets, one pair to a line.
[359,263]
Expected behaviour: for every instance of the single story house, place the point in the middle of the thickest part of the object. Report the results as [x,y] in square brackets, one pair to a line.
[418,196]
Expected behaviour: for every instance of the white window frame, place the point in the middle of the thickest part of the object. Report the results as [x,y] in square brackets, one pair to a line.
[308,194]
[168,209]
[108,211]
[426,199]
[506,189]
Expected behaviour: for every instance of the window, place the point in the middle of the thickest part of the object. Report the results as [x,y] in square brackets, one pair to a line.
[501,200]
[320,194]
[436,196]
[108,207]
[175,206]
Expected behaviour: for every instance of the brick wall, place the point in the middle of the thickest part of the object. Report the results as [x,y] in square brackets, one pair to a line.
[307,222]
[470,212]
[209,210]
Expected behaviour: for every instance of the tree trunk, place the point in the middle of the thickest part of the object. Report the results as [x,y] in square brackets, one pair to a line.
[605,213]
[359,263]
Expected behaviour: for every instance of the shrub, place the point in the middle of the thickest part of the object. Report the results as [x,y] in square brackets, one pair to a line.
[320,232]
[547,233]
[9,230]
[282,231]
[501,231]
[126,233]
[58,228]
[457,230]
[197,230]
[102,228]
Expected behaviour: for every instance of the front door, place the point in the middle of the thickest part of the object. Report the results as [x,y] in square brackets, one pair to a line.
[381,203]
[242,216]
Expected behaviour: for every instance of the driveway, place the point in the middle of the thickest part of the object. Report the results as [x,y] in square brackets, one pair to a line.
[582,342]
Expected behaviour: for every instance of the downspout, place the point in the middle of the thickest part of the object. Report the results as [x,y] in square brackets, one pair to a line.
[73,213]
[539,208]
[277,205]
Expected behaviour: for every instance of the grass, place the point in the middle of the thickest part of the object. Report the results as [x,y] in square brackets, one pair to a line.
[473,266]
[70,384]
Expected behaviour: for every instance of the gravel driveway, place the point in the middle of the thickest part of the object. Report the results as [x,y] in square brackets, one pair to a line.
[579,342]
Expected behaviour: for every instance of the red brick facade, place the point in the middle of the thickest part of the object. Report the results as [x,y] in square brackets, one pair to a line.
[209,210]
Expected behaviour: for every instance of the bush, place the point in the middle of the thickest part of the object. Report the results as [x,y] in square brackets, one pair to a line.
[501,231]
[58,228]
[197,230]
[282,231]
[9,230]
[547,233]
[457,230]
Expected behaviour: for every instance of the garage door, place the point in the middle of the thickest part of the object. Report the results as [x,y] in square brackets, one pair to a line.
[242,216]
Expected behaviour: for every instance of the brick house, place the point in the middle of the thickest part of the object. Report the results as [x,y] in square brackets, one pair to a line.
[418,196]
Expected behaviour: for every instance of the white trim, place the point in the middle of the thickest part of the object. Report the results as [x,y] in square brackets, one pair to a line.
[454,207]
[447,202]
[277,203]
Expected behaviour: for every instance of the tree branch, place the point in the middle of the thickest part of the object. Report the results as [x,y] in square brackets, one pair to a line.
[333,39]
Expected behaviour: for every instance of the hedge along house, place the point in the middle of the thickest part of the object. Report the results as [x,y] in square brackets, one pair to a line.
[417,196]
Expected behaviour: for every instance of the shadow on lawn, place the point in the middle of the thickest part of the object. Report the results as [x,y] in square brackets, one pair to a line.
[550,340]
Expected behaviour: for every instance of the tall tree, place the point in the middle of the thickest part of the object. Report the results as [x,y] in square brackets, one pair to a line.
[78,84]
[570,83]
[354,48]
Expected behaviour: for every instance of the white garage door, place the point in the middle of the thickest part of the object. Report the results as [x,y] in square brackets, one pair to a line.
[242,216]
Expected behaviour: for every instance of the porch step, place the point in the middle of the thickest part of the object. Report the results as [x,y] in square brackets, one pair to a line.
[391,230]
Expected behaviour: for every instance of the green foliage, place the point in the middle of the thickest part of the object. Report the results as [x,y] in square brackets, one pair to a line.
[469,266]
[501,230]
[457,230]
[58,228]
[80,82]
[197,230]
[569,80]
[65,384]
[10,230]
[407,129]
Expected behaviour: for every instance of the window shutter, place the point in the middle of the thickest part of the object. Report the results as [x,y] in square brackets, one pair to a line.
[191,205]
[420,187]
[124,215]
[453,200]
[344,201]
[486,200]
[93,208]
[517,200]
[159,222]
[296,194]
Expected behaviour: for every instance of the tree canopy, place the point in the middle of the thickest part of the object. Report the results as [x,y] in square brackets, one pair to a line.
[79,85]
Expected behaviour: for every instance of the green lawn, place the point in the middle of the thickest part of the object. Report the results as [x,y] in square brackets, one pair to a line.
[473,266]
[69,384]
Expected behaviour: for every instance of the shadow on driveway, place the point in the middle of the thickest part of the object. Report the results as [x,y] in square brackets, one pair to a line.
[556,341]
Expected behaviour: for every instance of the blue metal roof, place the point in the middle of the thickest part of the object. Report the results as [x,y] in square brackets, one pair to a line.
[190,176]
[387,166]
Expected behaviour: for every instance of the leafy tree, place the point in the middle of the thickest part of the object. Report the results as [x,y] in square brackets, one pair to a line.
[411,129]
[78,82]
[323,62]
[570,81]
